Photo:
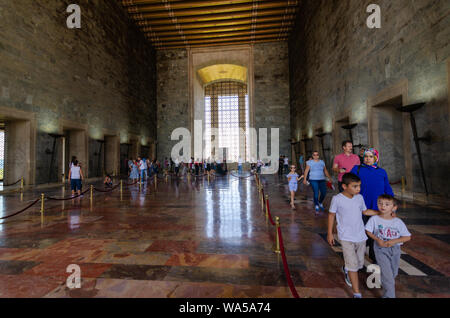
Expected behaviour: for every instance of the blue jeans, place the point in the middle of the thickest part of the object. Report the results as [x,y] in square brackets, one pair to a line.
[143,173]
[319,185]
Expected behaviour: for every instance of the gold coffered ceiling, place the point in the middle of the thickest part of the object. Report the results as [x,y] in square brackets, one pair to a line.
[179,24]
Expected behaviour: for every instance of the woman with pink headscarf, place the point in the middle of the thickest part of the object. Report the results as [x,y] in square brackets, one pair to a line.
[374,182]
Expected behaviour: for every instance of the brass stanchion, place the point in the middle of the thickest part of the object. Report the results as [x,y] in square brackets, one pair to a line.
[121,186]
[189,177]
[267,207]
[209,177]
[277,247]
[167,177]
[403,186]
[21,196]
[42,204]
[92,193]
[21,184]
[262,200]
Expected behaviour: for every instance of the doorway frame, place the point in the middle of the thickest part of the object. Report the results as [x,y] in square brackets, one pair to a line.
[389,93]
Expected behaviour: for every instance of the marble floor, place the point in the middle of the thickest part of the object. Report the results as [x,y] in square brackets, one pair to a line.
[198,240]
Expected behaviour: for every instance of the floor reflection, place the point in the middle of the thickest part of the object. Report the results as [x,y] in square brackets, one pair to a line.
[228,211]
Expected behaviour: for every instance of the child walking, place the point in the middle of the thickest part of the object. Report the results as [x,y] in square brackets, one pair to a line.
[348,207]
[389,233]
[293,179]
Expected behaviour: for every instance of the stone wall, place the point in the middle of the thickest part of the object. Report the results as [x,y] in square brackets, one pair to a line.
[102,75]
[173,97]
[338,66]
[271,93]
[271,97]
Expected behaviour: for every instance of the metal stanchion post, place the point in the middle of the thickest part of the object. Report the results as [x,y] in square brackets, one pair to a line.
[277,223]
[267,207]
[156,182]
[42,204]
[21,184]
[262,200]
[92,193]
[403,186]
[121,186]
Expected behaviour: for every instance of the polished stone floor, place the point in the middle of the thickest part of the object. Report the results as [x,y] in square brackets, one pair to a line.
[198,240]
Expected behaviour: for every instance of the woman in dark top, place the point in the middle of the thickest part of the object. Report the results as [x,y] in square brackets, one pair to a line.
[374,182]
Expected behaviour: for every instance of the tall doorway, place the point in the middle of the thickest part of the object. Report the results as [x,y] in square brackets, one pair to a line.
[227,110]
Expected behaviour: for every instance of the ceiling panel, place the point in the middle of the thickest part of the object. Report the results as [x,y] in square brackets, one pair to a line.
[178,23]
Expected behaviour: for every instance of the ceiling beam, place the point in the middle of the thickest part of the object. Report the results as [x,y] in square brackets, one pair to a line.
[218,29]
[146,24]
[221,34]
[181,4]
[149,11]
[215,17]
[178,5]
[216,40]
[170,47]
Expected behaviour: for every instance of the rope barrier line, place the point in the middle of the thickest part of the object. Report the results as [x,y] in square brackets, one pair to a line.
[12,184]
[286,267]
[268,212]
[107,191]
[68,198]
[23,210]
[240,177]
[281,246]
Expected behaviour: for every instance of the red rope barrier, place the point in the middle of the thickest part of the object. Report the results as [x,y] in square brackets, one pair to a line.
[10,185]
[268,212]
[286,267]
[23,210]
[68,198]
[240,177]
[109,190]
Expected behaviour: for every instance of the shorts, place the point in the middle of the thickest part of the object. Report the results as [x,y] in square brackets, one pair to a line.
[293,187]
[353,255]
[75,184]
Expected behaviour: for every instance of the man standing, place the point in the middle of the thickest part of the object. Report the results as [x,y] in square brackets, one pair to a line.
[240,161]
[345,162]
[286,164]
[142,169]
[280,165]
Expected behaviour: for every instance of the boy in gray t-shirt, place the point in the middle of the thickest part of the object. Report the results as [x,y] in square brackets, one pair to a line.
[348,208]
[389,232]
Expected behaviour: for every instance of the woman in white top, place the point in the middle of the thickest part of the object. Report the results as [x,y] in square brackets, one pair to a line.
[75,177]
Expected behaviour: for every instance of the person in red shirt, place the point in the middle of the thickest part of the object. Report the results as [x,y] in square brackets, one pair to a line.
[345,162]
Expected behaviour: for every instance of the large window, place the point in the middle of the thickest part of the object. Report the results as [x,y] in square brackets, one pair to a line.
[227,110]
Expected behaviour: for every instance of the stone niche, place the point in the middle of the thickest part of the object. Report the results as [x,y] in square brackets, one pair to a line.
[20,145]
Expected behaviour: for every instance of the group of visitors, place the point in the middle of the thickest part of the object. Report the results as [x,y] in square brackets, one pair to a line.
[364,209]
[141,169]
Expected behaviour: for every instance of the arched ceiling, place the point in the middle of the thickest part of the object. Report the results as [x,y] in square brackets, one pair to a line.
[219,72]
[180,24]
